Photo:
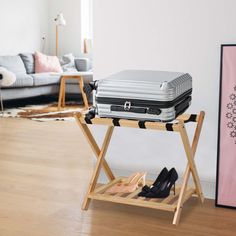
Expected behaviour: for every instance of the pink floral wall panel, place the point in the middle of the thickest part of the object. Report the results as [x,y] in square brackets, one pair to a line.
[226,174]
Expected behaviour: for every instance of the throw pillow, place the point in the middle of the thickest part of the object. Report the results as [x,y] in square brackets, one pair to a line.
[68,60]
[28,59]
[82,64]
[44,63]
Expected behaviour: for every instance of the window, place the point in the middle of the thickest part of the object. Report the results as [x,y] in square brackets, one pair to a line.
[86,26]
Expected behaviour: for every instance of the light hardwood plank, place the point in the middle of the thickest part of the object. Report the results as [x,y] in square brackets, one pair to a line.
[45,168]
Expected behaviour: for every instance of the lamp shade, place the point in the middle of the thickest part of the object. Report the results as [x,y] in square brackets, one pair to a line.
[60,20]
[7,78]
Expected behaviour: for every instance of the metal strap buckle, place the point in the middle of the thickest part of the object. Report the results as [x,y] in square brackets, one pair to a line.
[127,106]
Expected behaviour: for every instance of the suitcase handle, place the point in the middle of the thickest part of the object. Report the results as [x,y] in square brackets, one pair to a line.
[88,88]
[140,110]
[91,113]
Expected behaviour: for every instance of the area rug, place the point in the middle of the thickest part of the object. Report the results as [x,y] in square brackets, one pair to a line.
[44,112]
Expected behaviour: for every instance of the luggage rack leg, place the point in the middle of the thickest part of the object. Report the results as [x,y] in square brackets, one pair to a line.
[98,166]
[190,152]
[95,148]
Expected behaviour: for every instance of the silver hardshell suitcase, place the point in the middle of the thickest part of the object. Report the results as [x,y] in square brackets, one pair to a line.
[143,95]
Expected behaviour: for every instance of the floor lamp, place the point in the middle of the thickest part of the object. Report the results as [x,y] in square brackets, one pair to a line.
[60,21]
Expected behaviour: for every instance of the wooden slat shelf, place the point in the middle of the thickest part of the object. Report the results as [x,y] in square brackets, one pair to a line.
[167,204]
[173,203]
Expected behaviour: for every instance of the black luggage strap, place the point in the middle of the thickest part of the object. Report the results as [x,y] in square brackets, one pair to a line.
[115,122]
[141,124]
[90,115]
[192,118]
[87,120]
[169,127]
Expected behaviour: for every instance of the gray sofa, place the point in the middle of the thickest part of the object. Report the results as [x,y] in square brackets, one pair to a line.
[28,84]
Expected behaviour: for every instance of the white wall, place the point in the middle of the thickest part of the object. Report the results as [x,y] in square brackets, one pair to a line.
[23,24]
[70,35]
[183,35]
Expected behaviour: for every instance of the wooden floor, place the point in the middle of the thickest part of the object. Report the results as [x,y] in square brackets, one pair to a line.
[44,171]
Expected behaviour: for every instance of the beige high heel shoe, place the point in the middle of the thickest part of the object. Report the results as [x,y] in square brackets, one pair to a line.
[116,188]
[130,185]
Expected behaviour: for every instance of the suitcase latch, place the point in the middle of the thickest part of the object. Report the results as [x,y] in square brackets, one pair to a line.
[127,106]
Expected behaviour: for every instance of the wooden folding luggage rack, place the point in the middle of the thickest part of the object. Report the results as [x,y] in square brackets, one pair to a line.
[174,202]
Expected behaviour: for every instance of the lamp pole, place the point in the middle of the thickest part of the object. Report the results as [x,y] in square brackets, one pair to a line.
[56,40]
[60,21]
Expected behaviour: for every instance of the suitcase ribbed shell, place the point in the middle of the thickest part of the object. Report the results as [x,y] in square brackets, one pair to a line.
[146,85]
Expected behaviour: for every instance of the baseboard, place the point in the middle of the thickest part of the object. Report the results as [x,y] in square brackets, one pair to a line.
[208,186]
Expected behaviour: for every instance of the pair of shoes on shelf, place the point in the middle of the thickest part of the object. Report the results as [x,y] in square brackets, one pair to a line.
[161,186]
[129,185]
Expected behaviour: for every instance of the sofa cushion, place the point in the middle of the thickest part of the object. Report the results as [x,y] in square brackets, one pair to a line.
[13,64]
[86,78]
[44,63]
[28,60]
[22,80]
[45,79]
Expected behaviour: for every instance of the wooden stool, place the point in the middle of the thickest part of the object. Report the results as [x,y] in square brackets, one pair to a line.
[61,99]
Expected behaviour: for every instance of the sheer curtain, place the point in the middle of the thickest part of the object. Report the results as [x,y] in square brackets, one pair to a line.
[86,26]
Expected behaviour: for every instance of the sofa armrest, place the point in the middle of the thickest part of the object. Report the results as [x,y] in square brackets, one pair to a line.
[82,64]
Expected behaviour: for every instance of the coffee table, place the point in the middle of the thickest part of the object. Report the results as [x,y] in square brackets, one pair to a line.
[78,76]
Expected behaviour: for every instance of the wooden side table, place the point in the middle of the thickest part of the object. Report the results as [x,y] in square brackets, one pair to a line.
[62,93]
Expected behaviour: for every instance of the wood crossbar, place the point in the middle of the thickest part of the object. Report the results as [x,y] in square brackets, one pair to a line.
[173,202]
[140,124]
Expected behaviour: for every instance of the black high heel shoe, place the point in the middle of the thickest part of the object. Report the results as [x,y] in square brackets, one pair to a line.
[161,177]
[163,191]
